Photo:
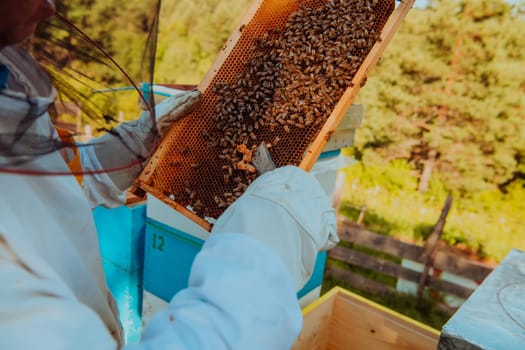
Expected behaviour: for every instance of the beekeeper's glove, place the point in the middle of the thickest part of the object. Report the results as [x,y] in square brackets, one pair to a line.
[134,140]
[288,210]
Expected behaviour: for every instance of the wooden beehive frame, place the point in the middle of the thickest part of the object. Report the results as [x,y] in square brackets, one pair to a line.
[331,124]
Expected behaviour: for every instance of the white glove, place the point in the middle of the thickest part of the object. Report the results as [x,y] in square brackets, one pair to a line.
[134,140]
[288,210]
[173,108]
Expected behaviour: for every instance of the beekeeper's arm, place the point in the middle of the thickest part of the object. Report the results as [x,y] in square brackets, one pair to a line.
[129,147]
[243,284]
[242,287]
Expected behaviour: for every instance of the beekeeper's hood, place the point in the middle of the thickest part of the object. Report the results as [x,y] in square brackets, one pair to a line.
[25,130]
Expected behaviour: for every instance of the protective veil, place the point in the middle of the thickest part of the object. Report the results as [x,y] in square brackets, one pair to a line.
[52,290]
[51,278]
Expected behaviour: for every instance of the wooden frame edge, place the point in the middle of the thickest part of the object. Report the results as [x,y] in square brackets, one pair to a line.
[335,118]
[184,211]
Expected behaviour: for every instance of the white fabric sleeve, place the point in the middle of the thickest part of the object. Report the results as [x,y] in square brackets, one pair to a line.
[129,145]
[240,296]
[99,188]
[287,210]
[38,312]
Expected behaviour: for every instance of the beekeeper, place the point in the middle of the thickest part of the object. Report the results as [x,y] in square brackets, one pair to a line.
[53,295]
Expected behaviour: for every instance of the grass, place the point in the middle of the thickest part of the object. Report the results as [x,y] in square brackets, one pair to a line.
[375,275]
[424,311]
[473,223]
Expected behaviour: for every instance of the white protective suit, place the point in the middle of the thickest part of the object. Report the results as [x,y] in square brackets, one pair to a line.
[53,295]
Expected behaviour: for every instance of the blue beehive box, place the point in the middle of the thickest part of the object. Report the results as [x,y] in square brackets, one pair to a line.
[142,252]
[169,254]
[121,237]
[493,317]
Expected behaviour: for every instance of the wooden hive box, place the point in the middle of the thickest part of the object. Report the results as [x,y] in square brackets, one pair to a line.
[343,320]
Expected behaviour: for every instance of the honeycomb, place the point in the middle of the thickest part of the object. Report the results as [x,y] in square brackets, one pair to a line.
[276,80]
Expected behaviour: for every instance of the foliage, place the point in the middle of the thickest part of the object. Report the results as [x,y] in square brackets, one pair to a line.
[79,69]
[451,82]
[191,35]
[395,208]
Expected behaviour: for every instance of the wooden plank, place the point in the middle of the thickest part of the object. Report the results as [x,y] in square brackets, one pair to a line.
[132,198]
[461,267]
[184,211]
[353,233]
[394,270]
[358,323]
[316,324]
[373,263]
[385,310]
[363,325]
[358,281]
[449,287]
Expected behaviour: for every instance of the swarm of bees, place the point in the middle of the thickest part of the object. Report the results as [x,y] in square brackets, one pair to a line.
[291,82]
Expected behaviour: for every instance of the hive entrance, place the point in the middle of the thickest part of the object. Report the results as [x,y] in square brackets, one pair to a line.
[277,80]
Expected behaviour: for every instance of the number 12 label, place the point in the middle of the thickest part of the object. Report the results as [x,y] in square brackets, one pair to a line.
[158,242]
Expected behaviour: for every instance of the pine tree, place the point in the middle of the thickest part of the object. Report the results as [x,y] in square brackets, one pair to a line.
[449,95]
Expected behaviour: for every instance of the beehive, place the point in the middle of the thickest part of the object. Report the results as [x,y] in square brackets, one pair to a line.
[285,77]
[343,320]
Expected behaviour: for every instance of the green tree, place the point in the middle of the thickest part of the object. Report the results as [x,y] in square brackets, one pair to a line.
[191,35]
[449,95]
[79,68]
